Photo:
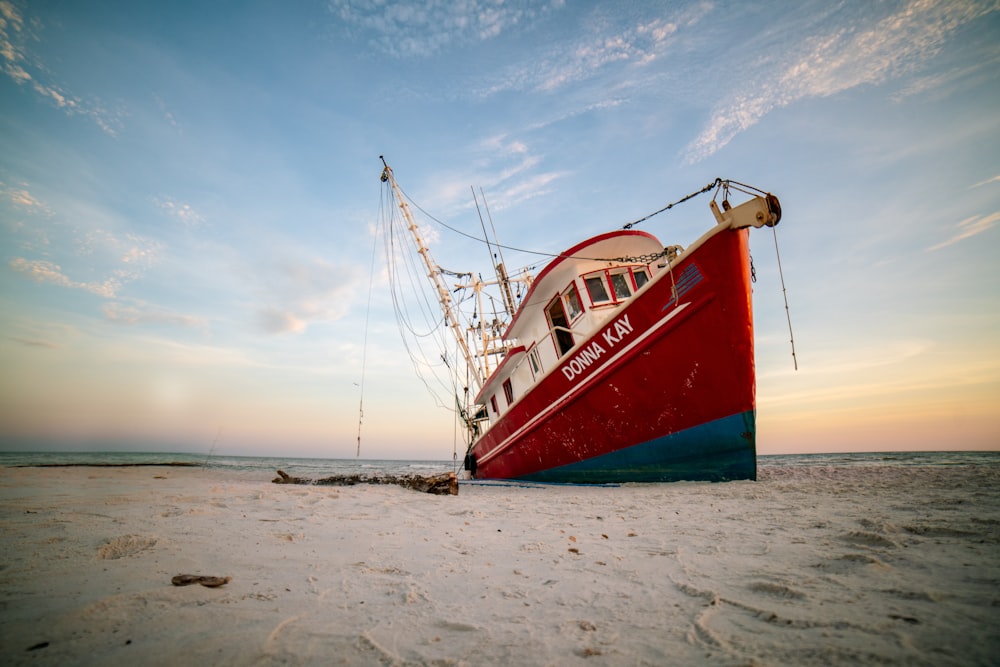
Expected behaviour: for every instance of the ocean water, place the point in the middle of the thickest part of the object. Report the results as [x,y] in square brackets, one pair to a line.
[268,465]
[889,459]
[319,467]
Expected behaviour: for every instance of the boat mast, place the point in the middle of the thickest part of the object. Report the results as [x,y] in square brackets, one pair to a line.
[434,273]
[488,332]
[501,270]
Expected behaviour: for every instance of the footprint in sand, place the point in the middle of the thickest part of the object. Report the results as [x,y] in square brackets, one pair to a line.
[289,537]
[776,590]
[866,539]
[126,545]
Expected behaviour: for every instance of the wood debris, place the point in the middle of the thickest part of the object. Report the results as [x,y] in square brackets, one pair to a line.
[204,580]
[443,484]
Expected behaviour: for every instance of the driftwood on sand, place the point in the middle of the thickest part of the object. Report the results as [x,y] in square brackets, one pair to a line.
[204,580]
[442,485]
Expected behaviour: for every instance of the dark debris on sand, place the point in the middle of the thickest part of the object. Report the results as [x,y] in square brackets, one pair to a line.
[443,485]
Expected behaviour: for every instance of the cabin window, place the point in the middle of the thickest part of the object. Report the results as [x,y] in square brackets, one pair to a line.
[641,277]
[535,361]
[563,337]
[596,288]
[622,281]
[493,404]
[620,285]
[572,299]
[508,391]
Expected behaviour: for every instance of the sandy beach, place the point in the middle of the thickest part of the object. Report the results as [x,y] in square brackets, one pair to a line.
[807,566]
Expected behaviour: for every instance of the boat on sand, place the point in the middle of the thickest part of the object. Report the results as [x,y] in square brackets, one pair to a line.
[622,360]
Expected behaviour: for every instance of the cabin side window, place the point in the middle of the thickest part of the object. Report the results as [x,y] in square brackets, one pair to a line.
[535,361]
[493,404]
[508,391]
[596,288]
[559,325]
[572,299]
[641,277]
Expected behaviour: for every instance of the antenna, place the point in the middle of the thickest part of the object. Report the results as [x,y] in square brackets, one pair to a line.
[501,268]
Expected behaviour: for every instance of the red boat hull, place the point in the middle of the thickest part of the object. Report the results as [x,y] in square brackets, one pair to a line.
[669,393]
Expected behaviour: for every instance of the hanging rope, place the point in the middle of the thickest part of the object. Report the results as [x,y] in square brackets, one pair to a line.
[214,443]
[784,293]
[418,316]
[364,345]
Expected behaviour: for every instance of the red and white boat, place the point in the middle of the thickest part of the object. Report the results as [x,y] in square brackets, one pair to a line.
[623,360]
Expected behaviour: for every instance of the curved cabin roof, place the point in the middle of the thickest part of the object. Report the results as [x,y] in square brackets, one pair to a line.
[590,255]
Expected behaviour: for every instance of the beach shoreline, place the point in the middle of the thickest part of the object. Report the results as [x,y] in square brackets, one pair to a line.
[808,565]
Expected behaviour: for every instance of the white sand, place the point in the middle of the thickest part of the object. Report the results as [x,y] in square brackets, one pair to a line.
[808,566]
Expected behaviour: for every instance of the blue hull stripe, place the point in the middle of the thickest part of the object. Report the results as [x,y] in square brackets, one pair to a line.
[720,450]
[689,277]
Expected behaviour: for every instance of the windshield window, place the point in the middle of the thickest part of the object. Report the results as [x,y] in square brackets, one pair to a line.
[619,282]
[597,290]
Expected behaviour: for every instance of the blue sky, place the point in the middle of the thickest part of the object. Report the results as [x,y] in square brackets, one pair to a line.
[188,193]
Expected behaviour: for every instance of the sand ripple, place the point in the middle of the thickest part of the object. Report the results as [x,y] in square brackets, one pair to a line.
[124,546]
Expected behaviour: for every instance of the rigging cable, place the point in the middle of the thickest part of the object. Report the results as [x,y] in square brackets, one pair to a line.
[501,270]
[364,345]
[458,415]
[717,182]
[482,223]
[492,226]
[784,293]
[401,269]
[214,443]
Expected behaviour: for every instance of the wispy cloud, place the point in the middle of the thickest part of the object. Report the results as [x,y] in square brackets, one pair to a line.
[591,55]
[296,293]
[22,199]
[131,255]
[135,315]
[827,64]
[427,27]
[572,113]
[972,226]
[25,67]
[134,249]
[167,114]
[638,45]
[995,179]
[508,171]
[42,335]
[872,383]
[940,84]
[42,271]
[34,342]
[28,218]
[181,211]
